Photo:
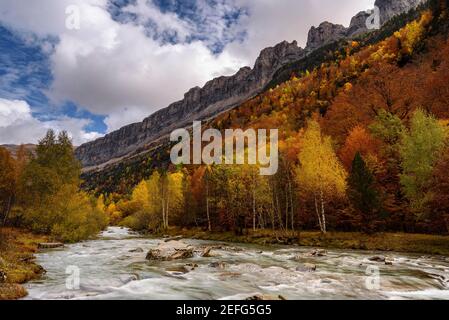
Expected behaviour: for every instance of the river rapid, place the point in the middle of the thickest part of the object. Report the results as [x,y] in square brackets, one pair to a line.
[113,266]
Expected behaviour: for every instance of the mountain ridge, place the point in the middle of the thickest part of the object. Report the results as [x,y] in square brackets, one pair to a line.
[224,93]
[217,95]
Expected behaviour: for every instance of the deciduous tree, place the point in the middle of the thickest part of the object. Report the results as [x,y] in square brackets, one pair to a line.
[320,174]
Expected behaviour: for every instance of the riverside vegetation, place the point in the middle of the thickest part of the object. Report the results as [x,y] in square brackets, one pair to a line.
[363,147]
[364,154]
[40,193]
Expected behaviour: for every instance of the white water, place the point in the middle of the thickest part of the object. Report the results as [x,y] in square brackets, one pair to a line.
[108,270]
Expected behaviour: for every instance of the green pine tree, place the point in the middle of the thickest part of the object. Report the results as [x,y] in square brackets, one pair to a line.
[363,194]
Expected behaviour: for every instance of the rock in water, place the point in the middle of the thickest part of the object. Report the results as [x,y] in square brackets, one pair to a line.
[265,297]
[377,259]
[179,269]
[51,245]
[137,250]
[306,267]
[219,265]
[172,250]
[129,278]
[318,253]
[206,252]
[175,238]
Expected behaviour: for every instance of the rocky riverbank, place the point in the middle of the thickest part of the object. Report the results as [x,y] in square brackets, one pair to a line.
[17,262]
[120,264]
[398,242]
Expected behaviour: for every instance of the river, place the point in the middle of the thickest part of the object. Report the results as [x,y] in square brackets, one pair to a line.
[109,267]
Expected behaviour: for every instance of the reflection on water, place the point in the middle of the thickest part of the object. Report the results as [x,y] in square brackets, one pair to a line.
[114,267]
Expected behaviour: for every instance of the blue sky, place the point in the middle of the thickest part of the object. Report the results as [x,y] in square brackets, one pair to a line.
[132,57]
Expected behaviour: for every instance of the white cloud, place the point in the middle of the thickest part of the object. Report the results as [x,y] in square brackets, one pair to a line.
[110,67]
[18,126]
[116,70]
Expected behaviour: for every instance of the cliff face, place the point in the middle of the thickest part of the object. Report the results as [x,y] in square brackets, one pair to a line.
[390,8]
[328,32]
[325,33]
[216,96]
[224,93]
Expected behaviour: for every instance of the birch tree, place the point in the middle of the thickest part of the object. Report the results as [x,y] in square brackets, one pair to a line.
[320,174]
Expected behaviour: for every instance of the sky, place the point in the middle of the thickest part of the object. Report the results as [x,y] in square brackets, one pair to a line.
[92,66]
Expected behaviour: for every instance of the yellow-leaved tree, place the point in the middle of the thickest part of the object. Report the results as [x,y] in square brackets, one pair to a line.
[320,175]
[172,196]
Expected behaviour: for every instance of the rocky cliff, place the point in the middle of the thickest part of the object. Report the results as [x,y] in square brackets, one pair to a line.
[216,96]
[328,32]
[390,8]
[325,33]
[224,93]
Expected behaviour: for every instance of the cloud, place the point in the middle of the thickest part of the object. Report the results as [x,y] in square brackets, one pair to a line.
[18,126]
[112,68]
[126,69]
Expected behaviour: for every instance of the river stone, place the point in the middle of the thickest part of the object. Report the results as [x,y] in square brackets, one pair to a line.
[377,259]
[51,245]
[265,297]
[318,253]
[137,250]
[175,238]
[235,249]
[172,250]
[229,275]
[191,266]
[178,269]
[129,278]
[306,267]
[218,265]
[206,252]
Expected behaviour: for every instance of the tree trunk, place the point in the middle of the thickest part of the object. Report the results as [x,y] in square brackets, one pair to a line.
[163,211]
[7,210]
[322,212]
[291,202]
[254,209]
[166,211]
[318,214]
[286,212]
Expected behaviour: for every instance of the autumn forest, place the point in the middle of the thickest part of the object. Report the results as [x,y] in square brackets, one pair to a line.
[364,146]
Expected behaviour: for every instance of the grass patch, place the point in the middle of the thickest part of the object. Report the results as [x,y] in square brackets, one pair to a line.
[399,242]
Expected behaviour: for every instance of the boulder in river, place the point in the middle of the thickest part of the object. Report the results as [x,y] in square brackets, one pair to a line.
[306,267]
[127,278]
[265,297]
[377,259]
[175,238]
[318,253]
[218,265]
[388,262]
[178,269]
[172,250]
[206,252]
[191,266]
[50,245]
